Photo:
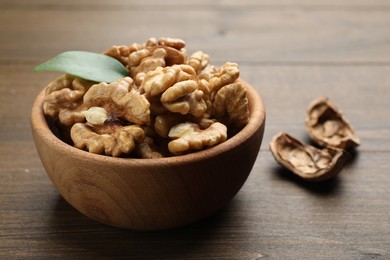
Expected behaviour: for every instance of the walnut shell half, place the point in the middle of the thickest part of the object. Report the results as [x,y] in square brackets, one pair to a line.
[306,161]
[328,127]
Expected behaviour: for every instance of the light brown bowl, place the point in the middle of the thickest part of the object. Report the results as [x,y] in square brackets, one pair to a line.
[150,194]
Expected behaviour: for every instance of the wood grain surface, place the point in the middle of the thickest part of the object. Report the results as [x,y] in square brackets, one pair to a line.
[291,51]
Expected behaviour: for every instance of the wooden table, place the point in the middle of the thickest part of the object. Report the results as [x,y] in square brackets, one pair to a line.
[291,51]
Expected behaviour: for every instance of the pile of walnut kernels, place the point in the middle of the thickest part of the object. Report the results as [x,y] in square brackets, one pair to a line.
[170,104]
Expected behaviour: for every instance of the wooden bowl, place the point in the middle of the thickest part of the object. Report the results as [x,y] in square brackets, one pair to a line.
[150,194]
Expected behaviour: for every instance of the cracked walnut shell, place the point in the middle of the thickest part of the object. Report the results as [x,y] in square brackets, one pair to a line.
[328,127]
[306,161]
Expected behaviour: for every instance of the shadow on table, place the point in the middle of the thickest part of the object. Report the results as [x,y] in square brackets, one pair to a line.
[86,238]
[327,187]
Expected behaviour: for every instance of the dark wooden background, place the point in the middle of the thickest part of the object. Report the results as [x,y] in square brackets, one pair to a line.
[291,51]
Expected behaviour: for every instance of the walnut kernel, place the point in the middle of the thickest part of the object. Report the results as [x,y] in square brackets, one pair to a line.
[231,105]
[64,98]
[121,100]
[113,140]
[189,136]
[96,115]
[168,105]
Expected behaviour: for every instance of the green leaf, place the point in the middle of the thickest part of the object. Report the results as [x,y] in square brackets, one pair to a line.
[87,65]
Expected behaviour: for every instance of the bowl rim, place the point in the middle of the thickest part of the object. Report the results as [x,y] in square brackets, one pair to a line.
[256,121]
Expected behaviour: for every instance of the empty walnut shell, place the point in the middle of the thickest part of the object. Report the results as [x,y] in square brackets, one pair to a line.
[328,127]
[306,161]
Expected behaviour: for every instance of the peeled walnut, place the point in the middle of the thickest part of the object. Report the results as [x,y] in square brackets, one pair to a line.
[109,139]
[179,89]
[121,53]
[164,123]
[198,60]
[166,95]
[148,150]
[155,53]
[230,105]
[184,98]
[96,115]
[328,127]
[143,61]
[176,54]
[305,161]
[189,136]
[121,99]
[223,76]
[111,110]
[207,72]
[64,98]
[175,43]
[72,115]
[159,80]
